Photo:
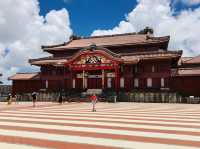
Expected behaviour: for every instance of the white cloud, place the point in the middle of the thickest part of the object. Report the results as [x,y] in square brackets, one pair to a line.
[23,31]
[183,29]
[123,27]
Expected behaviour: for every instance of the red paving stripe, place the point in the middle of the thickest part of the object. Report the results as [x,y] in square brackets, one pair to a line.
[32,115]
[108,121]
[102,115]
[120,111]
[146,110]
[18,107]
[161,113]
[106,107]
[38,105]
[129,114]
[48,144]
[108,136]
[110,127]
[138,107]
[61,110]
[138,129]
[137,123]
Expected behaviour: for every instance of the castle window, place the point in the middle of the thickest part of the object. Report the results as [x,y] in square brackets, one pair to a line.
[149,82]
[153,68]
[122,82]
[136,68]
[162,81]
[109,82]
[136,82]
[46,84]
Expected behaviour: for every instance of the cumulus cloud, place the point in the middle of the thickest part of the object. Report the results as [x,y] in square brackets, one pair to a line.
[183,28]
[123,27]
[23,31]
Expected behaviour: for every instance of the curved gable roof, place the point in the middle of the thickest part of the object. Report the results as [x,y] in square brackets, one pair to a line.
[108,41]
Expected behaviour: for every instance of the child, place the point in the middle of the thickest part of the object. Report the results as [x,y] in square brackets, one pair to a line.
[93,99]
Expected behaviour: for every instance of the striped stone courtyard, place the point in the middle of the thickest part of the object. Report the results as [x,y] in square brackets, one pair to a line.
[114,125]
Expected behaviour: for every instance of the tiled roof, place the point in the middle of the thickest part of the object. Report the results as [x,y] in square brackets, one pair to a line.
[152,55]
[106,41]
[25,76]
[132,58]
[194,60]
[183,59]
[188,72]
[49,62]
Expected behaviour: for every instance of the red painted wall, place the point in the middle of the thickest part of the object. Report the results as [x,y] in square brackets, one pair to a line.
[162,69]
[188,85]
[27,86]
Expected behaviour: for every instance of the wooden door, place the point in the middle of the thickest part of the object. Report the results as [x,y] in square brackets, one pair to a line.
[94,83]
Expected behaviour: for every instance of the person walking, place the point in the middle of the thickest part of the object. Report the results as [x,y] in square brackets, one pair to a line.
[93,99]
[60,98]
[14,99]
[34,96]
[9,100]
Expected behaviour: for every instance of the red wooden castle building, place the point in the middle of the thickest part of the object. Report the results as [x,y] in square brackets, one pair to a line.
[135,61]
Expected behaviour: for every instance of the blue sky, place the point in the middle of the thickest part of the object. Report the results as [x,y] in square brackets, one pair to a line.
[89,15]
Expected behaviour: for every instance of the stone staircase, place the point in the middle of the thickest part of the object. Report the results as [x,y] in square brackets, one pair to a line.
[94,91]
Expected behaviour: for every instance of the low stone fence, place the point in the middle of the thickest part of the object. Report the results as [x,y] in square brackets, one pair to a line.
[148,97]
[193,100]
[40,97]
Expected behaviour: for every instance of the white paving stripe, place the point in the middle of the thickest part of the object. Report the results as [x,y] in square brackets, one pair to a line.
[101,119]
[143,126]
[113,116]
[121,111]
[91,122]
[110,108]
[17,146]
[107,131]
[131,126]
[123,105]
[110,117]
[90,140]
[114,112]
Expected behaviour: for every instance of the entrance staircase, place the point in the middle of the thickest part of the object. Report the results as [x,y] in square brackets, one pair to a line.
[94,91]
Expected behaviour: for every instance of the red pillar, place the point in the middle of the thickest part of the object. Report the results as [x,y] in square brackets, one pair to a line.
[117,78]
[71,78]
[103,79]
